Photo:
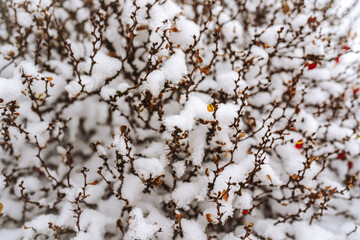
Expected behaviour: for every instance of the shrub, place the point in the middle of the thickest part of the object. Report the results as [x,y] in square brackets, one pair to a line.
[144,119]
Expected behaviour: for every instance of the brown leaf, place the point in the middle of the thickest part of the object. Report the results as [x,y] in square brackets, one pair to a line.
[209,217]
[285,7]
[205,70]
[11,53]
[311,20]
[266,45]
[88,195]
[112,54]
[158,181]
[123,129]
[141,27]
[332,191]
[294,176]
[179,216]
[174,29]
[268,177]
[292,91]
[94,182]
[198,58]
[225,195]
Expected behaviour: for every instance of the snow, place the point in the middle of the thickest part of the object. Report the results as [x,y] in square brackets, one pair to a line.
[270,35]
[185,193]
[138,227]
[134,138]
[186,30]
[10,89]
[193,230]
[148,167]
[155,82]
[175,67]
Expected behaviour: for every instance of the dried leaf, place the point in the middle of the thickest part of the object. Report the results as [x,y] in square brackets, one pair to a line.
[158,181]
[141,27]
[268,177]
[209,217]
[207,172]
[198,58]
[94,182]
[88,195]
[294,176]
[174,29]
[123,129]
[112,54]
[1,207]
[332,191]
[179,216]
[205,70]
[266,45]
[311,20]
[285,7]
[225,195]
[241,135]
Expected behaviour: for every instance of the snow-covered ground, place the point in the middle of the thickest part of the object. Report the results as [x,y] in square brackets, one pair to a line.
[179,119]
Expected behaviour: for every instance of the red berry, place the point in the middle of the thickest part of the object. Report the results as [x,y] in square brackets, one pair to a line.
[299,144]
[244,212]
[346,47]
[350,164]
[337,59]
[312,66]
[341,156]
[355,90]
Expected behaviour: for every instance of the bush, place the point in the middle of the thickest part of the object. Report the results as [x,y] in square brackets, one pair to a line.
[144,119]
